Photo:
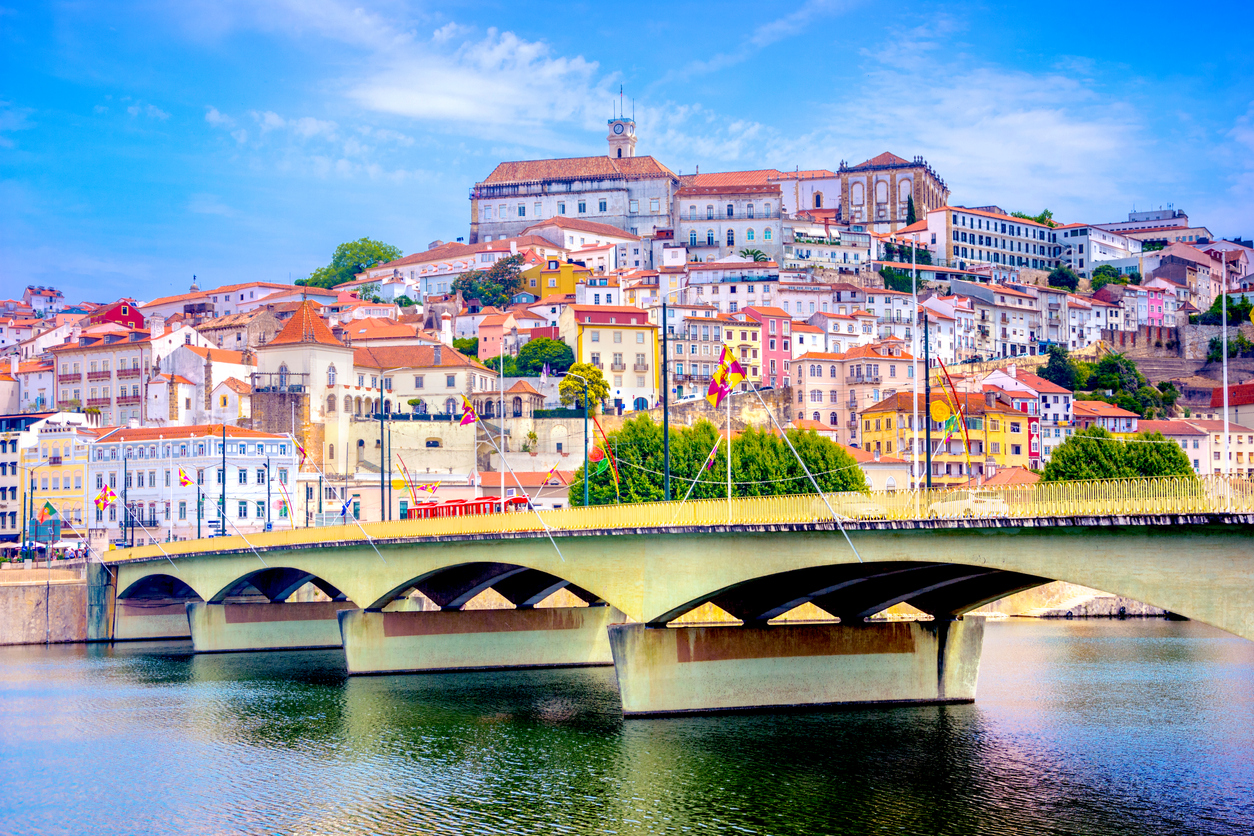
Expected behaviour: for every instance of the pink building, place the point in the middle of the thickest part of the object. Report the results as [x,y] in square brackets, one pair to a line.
[776,343]
[1154,311]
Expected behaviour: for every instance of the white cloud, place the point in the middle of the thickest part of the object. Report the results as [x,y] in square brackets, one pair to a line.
[307,127]
[500,79]
[218,119]
[12,119]
[269,120]
[149,110]
[207,204]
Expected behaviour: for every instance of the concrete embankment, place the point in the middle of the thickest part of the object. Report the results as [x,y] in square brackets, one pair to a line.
[38,604]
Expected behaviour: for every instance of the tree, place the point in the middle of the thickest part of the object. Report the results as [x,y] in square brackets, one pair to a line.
[1046,218]
[404,301]
[349,259]
[1061,276]
[511,367]
[899,280]
[911,217]
[762,465]
[467,345]
[1129,388]
[494,286]
[1105,274]
[533,356]
[570,390]
[1096,454]
[1060,370]
[369,292]
[754,255]
[1238,312]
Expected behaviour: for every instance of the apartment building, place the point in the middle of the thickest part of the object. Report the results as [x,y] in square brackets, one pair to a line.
[623,343]
[833,388]
[241,483]
[844,331]
[961,236]
[54,470]
[1083,247]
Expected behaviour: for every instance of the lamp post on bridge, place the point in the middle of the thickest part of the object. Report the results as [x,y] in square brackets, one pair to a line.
[585,433]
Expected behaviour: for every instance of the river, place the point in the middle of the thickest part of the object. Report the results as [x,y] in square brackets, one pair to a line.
[1139,726]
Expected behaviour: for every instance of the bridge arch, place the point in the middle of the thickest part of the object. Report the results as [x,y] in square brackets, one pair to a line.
[276,583]
[853,591]
[452,587]
[159,587]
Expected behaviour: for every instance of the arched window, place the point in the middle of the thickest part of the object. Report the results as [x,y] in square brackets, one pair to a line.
[833,398]
[377,404]
[834,420]
[450,406]
[182,449]
[857,194]
[330,452]
[890,484]
[749,211]
[692,238]
[421,408]
[139,454]
[831,371]
[283,376]
[818,200]
[99,455]
[489,409]
[731,237]
[152,451]
[692,212]
[903,191]
[709,238]
[640,403]
[709,212]
[749,235]
[766,210]
[766,234]
[518,407]
[387,406]
[348,405]
[816,416]
[358,406]
[881,192]
[330,403]
[331,376]
[731,211]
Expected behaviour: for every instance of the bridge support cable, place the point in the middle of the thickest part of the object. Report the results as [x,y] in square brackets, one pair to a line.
[87,543]
[536,511]
[323,474]
[809,476]
[226,520]
[709,462]
[140,523]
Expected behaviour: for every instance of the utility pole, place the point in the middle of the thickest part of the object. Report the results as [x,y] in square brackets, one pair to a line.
[927,398]
[585,443]
[383,503]
[914,356]
[222,505]
[666,417]
[268,524]
[126,508]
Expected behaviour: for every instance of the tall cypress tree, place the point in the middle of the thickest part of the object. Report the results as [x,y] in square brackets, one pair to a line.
[910,216]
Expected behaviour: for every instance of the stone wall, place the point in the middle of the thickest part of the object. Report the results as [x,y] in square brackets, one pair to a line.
[32,608]
[746,411]
[1190,342]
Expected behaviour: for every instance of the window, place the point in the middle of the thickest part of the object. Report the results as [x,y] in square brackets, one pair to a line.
[601,205]
[450,381]
[731,237]
[749,235]
[596,336]
[242,513]
[583,207]
[331,375]
[766,234]
[243,476]
[182,509]
[633,206]
[640,337]
[709,237]
[692,238]
[522,210]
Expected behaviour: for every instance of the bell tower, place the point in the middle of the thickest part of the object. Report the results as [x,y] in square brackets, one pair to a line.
[622,137]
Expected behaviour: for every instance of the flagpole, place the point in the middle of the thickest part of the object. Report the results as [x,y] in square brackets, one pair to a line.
[729,451]
[706,465]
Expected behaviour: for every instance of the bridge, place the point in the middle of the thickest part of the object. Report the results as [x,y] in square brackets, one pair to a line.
[1184,545]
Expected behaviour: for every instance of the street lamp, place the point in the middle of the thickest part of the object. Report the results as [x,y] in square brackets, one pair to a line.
[585,434]
[385,458]
[25,518]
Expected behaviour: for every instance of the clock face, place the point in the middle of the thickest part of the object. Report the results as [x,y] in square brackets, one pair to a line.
[618,128]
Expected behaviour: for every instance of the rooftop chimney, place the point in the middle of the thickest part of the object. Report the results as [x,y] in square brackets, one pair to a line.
[513,248]
[156,324]
[446,329]
[1012,370]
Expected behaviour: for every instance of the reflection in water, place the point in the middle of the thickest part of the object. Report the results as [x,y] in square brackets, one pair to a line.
[1096,727]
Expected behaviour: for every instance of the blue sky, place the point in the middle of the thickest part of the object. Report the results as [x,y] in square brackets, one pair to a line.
[142,142]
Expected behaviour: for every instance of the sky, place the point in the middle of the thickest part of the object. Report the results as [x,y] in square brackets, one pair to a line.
[143,142]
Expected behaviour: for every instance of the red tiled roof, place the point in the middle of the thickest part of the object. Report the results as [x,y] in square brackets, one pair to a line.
[699,191]
[1170,427]
[1006,477]
[413,357]
[578,168]
[583,226]
[528,478]
[306,326]
[1100,409]
[881,160]
[1240,394]
[194,431]
[522,387]
[221,355]
[236,385]
[717,179]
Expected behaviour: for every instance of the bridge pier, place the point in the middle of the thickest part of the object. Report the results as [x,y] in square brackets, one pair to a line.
[398,642]
[290,625]
[150,619]
[700,669]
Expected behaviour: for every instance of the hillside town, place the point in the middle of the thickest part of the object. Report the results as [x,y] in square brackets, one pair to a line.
[840,293]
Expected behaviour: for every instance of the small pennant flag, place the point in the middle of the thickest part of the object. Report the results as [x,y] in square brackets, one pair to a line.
[709,462]
[184,479]
[303,455]
[468,412]
[551,474]
[344,507]
[46,512]
[430,487]
[105,498]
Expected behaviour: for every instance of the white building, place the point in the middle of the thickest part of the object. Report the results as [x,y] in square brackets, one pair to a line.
[963,237]
[1085,246]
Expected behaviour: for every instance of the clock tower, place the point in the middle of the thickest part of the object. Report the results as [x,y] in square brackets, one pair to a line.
[622,137]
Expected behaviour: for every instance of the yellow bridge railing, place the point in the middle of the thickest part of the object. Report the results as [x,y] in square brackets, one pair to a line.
[1116,497]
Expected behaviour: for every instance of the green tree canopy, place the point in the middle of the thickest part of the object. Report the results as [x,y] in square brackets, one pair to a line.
[535,354]
[570,390]
[1046,218]
[404,301]
[1130,390]
[1061,276]
[754,255]
[1238,312]
[467,345]
[1104,274]
[510,370]
[899,280]
[1061,370]
[762,465]
[349,259]
[1096,454]
[494,286]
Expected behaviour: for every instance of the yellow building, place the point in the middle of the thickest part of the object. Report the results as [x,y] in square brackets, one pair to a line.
[54,471]
[554,277]
[998,435]
[744,338]
[622,343]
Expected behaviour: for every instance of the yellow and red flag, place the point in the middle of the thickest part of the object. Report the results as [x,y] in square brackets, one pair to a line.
[468,412]
[727,376]
[105,498]
[184,478]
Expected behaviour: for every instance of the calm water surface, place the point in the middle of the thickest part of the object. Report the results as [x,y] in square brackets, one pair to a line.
[1098,727]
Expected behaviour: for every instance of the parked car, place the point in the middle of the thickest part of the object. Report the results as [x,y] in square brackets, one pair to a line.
[853,506]
[971,504]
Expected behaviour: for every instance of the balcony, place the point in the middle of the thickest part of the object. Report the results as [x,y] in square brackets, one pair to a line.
[104,375]
[618,367]
[852,423]
[65,404]
[640,367]
[54,461]
[68,378]
[99,401]
[1005,320]
[870,381]
[597,365]
[125,373]
[129,400]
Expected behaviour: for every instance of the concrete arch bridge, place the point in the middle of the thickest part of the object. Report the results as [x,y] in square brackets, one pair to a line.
[636,568]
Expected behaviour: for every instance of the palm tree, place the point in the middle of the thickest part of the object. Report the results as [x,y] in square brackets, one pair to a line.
[756,255]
